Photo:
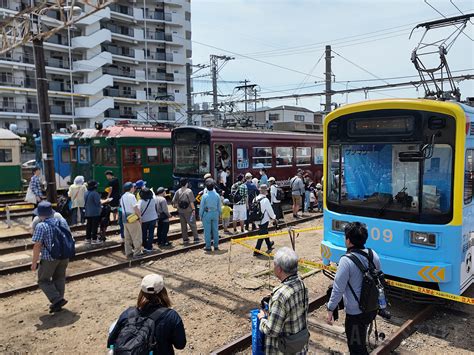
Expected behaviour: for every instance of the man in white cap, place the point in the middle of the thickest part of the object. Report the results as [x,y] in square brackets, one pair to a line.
[268,214]
[275,201]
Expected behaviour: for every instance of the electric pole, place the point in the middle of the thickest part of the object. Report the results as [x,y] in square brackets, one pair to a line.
[214,71]
[246,87]
[189,100]
[327,106]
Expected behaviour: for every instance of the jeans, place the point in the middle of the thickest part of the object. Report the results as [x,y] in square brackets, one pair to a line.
[262,230]
[163,228]
[91,227]
[307,195]
[320,206]
[77,215]
[356,331]
[148,233]
[52,279]
[210,221]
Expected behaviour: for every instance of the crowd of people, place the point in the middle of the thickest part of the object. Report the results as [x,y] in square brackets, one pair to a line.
[140,210]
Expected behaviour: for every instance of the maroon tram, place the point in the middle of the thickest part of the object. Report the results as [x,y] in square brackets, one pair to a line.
[199,150]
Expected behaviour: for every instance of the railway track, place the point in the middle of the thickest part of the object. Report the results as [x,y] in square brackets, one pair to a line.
[122,263]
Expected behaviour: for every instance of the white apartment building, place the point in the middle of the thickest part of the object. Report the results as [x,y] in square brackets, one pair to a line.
[125,62]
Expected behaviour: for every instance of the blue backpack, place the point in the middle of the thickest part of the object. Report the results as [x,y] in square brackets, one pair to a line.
[63,244]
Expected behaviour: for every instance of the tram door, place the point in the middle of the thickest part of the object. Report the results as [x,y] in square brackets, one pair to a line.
[131,164]
[222,161]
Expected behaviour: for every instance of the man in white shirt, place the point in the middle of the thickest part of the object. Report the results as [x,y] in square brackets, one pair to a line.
[276,203]
[133,229]
[268,214]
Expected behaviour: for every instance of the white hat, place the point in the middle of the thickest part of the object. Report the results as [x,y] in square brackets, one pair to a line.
[319,186]
[248,176]
[207,176]
[263,187]
[152,283]
[272,179]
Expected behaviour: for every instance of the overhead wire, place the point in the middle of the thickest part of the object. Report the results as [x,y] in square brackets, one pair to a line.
[358,66]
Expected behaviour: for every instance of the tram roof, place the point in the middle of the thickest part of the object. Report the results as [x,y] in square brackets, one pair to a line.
[85,133]
[7,134]
[231,133]
[134,131]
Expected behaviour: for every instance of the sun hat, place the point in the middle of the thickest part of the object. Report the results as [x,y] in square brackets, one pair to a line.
[44,209]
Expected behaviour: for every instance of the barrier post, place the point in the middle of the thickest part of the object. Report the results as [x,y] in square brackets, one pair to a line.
[7,211]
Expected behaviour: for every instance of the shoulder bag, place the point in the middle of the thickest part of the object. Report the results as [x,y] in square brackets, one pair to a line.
[294,343]
[130,217]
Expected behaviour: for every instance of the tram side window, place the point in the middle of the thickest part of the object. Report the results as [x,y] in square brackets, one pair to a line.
[318,155]
[98,156]
[73,152]
[65,157]
[303,156]
[262,157]
[468,176]
[166,155]
[6,156]
[133,156]
[152,156]
[83,154]
[284,156]
[109,156]
[242,158]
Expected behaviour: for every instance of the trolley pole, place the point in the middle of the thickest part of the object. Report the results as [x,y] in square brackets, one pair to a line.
[327,106]
[189,101]
[45,120]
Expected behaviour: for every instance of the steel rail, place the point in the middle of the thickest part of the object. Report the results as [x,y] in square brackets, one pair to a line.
[144,259]
[245,341]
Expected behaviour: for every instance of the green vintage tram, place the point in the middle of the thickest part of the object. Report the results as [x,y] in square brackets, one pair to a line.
[131,152]
[10,165]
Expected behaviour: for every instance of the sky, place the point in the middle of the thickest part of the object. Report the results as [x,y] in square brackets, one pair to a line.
[279,45]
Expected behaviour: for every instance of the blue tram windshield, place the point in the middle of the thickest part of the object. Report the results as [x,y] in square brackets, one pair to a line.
[371,176]
[191,158]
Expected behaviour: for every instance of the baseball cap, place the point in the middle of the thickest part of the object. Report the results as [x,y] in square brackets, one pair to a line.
[272,179]
[263,187]
[152,283]
[128,185]
[140,184]
[248,175]
[160,190]
[207,176]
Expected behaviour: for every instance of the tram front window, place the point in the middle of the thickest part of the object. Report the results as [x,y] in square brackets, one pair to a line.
[372,178]
[191,159]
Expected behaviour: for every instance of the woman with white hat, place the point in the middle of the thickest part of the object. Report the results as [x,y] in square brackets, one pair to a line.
[153,304]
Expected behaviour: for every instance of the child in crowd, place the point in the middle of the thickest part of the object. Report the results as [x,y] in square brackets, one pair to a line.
[226,212]
[319,196]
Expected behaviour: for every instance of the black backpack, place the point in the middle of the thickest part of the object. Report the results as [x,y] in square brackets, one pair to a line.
[372,280]
[136,336]
[279,195]
[255,210]
[63,244]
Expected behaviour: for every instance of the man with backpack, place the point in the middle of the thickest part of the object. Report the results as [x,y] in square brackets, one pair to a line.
[183,200]
[276,195]
[54,242]
[297,191]
[239,199]
[359,288]
[261,212]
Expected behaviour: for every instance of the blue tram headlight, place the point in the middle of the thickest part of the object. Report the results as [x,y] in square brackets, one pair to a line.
[338,226]
[423,238]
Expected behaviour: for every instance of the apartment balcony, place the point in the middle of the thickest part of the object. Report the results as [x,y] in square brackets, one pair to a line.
[13,5]
[90,65]
[119,30]
[120,113]
[58,39]
[160,116]
[118,93]
[12,107]
[161,76]
[58,86]
[121,9]
[159,36]
[175,3]
[122,51]
[119,72]
[60,110]
[159,16]
[9,80]
[92,40]
[159,56]
[29,59]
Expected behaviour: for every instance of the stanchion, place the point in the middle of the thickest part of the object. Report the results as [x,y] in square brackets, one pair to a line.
[7,211]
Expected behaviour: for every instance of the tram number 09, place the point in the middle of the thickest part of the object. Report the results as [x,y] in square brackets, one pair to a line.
[386,234]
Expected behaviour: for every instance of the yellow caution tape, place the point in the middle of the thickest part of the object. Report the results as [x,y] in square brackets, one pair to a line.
[304,230]
[318,265]
[17,207]
[257,237]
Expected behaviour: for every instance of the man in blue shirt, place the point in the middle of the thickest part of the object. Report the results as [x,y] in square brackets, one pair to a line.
[348,275]
[35,185]
[51,272]
[210,212]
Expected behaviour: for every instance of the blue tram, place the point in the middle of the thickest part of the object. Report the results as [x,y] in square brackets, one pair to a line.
[62,159]
[404,167]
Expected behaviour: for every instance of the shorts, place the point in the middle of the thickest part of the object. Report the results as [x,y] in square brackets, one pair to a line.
[239,213]
[296,199]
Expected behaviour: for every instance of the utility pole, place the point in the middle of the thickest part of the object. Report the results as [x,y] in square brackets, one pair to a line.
[327,106]
[45,120]
[189,100]
[246,87]
[214,70]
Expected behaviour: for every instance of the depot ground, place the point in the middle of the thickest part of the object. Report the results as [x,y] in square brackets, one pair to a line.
[214,304]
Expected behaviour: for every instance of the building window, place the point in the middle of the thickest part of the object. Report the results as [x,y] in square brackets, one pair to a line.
[318,155]
[152,155]
[284,156]
[187,16]
[166,155]
[6,156]
[176,91]
[299,118]
[274,116]
[303,156]
[468,176]
[262,157]
[188,35]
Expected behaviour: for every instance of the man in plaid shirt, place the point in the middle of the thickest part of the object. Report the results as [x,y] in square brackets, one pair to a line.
[239,212]
[51,272]
[288,307]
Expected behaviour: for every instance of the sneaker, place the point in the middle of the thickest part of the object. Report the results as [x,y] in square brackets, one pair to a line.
[88,241]
[195,241]
[256,254]
[186,241]
[57,306]
[216,248]
[167,244]
[148,251]
[206,249]
[95,241]
[272,243]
